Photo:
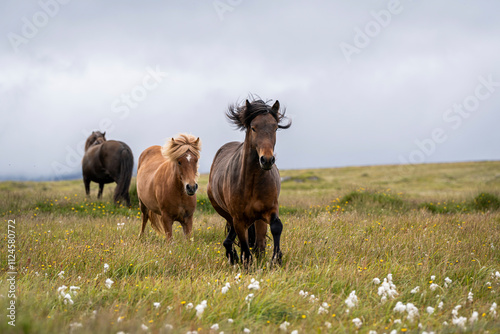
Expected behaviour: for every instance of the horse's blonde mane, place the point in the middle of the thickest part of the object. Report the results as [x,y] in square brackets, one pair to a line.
[175,148]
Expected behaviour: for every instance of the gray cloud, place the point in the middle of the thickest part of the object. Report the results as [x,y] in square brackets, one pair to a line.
[63,82]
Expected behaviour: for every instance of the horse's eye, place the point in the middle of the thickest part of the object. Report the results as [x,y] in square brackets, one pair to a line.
[253,129]
[178,162]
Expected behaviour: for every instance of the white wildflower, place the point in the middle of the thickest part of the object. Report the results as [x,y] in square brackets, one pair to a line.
[68,300]
[189,306]
[249,298]
[493,309]
[474,317]
[106,267]
[303,293]
[470,297]
[400,307]
[225,288]
[284,326]
[200,308]
[75,325]
[230,320]
[433,277]
[415,290]
[433,286]
[214,327]
[169,327]
[445,323]
[455,310]
[394,331]
[352,300]
[295,332]
[440,305]
[61,274]
[120,319]
[430,310]
[62,291]
[447,281]
[387,289]
[357,322]
[328,324]
[376,280]
[412,312]
[372,332]
[322,310]
[144,327]
[246,330]
[459,322]
[72,289]
[313,299]
[238,277]
[397,321]
[109,283]
[254,285]
[497,275]
[156,305]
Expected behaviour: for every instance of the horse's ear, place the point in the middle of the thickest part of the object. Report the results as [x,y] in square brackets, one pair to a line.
[248,105]
[104,133]
[276,106]
[197,141]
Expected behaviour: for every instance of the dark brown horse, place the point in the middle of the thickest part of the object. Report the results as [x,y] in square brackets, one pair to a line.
[167,183]
[107,161]
[244,183]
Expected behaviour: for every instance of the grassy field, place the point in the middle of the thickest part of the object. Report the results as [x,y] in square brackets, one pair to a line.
[382,248]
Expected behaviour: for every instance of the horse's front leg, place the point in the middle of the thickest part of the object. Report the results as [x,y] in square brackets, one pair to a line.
[241,231]
[276,229]
[101,188]
[167,225]
[260,237]
[187,226]
[231,253]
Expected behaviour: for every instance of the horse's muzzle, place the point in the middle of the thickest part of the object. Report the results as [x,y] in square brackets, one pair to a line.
[267,163]
[191,190]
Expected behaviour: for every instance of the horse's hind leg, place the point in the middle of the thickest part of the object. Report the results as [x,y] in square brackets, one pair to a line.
[276,229]
[101,188]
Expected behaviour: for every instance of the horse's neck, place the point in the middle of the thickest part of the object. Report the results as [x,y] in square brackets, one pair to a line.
[250,169]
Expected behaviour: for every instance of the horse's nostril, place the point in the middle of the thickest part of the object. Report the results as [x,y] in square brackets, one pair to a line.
[273,159]
[196,186]
[262,160]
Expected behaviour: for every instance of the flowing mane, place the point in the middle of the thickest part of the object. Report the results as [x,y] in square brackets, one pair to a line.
[175,148]
[241,115]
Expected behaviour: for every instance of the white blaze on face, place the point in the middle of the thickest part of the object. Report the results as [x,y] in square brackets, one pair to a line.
[188,157]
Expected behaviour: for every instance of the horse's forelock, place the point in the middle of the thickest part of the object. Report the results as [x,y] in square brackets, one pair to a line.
[175,148]
[242,115]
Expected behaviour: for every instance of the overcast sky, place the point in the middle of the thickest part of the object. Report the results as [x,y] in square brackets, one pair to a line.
[371,82]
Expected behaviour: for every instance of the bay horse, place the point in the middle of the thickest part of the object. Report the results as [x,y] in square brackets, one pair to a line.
[107,161]
[167,182]
[244,182]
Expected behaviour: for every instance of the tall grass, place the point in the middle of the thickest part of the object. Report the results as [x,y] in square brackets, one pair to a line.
[333,243]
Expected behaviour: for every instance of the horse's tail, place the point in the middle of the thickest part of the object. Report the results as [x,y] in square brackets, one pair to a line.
[126,167]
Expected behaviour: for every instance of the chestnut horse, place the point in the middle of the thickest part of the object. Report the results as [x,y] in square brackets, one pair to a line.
[107,161]
[244,182]
[167,183]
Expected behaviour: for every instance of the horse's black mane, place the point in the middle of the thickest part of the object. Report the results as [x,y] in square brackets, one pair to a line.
[241,116]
